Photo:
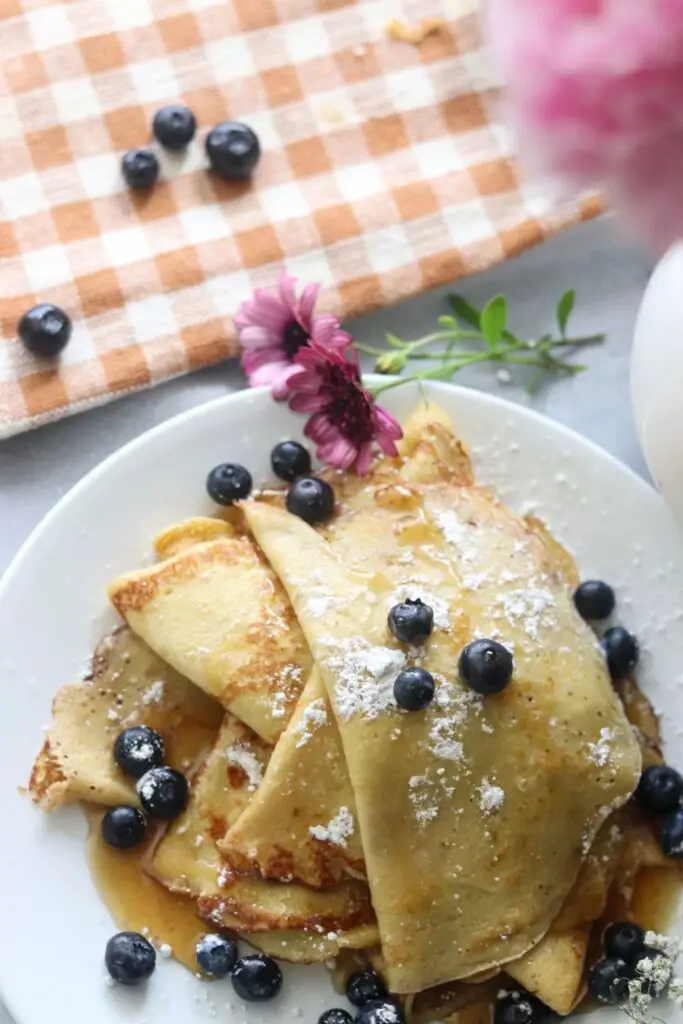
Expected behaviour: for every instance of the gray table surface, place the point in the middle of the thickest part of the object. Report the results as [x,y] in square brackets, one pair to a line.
[37,468]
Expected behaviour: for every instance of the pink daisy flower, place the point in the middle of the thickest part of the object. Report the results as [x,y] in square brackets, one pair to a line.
[345,423]
[272,328]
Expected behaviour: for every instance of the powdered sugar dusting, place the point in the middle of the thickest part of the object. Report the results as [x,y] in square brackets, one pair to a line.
[154,694]
[337,831]
[530,607]
[422,798]
[365,677]
[456,704]
[599,753]
[492,797]
[314,717]
[244,758]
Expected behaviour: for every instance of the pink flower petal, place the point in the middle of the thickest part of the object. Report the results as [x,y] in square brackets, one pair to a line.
[282,386]
[257,337]
[301,402]
[340,453]
[364,460]
[287,288]
[307,304]
[387,424]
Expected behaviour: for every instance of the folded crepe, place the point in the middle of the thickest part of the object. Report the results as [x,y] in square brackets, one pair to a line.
[129,685]
[310,925]
[476,814]
[279,835]
[219,616]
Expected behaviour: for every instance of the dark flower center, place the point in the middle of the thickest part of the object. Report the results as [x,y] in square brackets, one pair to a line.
[348,406]
[295,338]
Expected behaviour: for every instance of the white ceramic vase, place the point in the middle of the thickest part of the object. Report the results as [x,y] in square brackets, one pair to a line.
[657,377]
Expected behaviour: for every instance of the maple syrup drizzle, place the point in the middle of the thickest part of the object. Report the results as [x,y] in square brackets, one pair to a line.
[137,902]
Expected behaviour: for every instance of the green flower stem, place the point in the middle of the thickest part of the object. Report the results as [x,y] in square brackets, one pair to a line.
[485,337]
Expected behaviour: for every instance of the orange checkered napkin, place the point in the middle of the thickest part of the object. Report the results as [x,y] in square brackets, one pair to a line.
[384,173]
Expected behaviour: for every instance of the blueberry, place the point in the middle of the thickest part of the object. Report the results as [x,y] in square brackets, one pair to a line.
[514,1009]
[44,330]
[174,126]
[138,749]
[256,978]
[594,600]
[290,459]
[660,788]
[621,650]
[414,689]
[623,940]
[130,958]
[124,827]
[411,621]
[216,955]
[229,483]
[608,980]
[656,970]
[140,168]
[485,666]
[310,499]
[163,793]
[335,1017]
[381,1011]
[671,835]
[365,987]
[233,150]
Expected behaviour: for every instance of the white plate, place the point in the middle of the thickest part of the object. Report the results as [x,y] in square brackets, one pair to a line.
[53,610]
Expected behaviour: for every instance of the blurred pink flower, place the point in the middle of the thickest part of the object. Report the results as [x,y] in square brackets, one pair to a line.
[595,88]
[345,423]
[272,328]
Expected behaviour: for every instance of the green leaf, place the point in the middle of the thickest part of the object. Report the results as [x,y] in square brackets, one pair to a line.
[494,317]
[564,310]
[449,322]
[394,341]
[465,310]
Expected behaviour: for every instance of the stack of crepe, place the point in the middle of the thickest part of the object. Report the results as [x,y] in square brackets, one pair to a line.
[479,836]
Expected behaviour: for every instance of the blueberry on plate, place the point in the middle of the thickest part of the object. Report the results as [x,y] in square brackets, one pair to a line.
[381,1011]
[485,666]
[411,621]
[130,958]
[311,499]
[516,1008]
[163,793]
[365,987]
[216,954]
[660,788]
[138,749]
[140,168]
[335,1016]
[623,940]
[621,650]
[656,970]
[123,827]
[44,330]
[229,483]
[594,600]
[671,835]
[174,126]
[289,459]
[608,980]
[256,978]
[233,150]
[414,689]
